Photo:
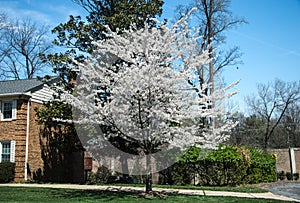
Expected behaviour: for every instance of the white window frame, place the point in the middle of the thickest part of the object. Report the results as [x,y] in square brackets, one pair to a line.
[12,150]
[14,110]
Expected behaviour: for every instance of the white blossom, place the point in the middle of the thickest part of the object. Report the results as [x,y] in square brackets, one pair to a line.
[147,96]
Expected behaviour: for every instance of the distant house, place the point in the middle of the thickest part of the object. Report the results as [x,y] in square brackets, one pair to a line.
[28,143]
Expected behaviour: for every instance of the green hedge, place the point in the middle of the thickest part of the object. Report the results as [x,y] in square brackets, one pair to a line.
[227,165]
[262,167]
[7,172]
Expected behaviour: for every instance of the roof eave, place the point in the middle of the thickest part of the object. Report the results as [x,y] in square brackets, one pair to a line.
[15,94]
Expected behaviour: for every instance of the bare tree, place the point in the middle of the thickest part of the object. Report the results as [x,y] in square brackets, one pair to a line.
[213,18]
[23,44]
[272,103]
[2,27]
[291,125]
[248,132]
[2,20]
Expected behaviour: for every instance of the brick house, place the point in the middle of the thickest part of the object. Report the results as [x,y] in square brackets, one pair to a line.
[23,139]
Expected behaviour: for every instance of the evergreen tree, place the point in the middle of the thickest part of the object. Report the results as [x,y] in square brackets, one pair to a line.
[77,34]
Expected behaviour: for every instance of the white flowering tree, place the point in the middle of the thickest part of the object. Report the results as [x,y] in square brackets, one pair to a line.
[137,84]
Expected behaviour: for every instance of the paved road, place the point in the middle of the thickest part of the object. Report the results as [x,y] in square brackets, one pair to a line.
[291,190]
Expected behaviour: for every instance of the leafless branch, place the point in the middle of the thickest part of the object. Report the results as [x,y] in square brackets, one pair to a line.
[22,44]
[272,102]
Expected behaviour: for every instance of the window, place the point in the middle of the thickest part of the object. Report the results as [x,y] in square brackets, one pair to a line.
[8,110]
[7,151]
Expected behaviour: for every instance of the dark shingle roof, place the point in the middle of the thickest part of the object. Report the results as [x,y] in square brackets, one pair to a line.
[19,86]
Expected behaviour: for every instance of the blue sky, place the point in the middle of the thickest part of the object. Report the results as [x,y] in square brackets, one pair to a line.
[270,42]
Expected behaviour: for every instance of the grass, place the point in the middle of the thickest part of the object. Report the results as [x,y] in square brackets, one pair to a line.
[45,195]
[245,189]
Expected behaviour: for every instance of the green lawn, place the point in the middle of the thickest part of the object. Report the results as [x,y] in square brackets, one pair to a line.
[44,195]
[247,189]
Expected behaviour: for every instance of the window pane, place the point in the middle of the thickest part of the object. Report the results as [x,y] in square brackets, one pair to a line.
[7,110]
[5,157]
[7,106]
[6,148]
[5,151]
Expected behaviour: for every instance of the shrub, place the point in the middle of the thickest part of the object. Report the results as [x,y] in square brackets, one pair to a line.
[7,172]
[178,174]
[104,175]
[296,176]
[182,172]
[100,176]
[138,179]
[289,175]
[225,166]
[186,167]
[281,175]
[262,167]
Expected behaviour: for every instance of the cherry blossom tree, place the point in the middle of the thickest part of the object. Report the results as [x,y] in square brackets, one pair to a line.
[137,83]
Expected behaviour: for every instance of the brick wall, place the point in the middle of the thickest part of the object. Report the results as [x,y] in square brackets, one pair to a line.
[35,161]
[16,130]
[283,159]
[53,156]
[68,169]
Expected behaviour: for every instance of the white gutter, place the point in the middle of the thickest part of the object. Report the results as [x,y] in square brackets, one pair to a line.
[14,94]
[27,138]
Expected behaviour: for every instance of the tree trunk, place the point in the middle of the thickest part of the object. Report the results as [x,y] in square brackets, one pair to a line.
[211,57]
[149,174]
[266,142]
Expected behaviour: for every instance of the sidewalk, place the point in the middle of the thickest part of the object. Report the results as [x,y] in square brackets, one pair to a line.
[267,195]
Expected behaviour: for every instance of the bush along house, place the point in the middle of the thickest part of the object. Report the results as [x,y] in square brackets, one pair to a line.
[37,150]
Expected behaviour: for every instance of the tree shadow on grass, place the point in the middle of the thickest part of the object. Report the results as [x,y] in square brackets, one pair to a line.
[103,195]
